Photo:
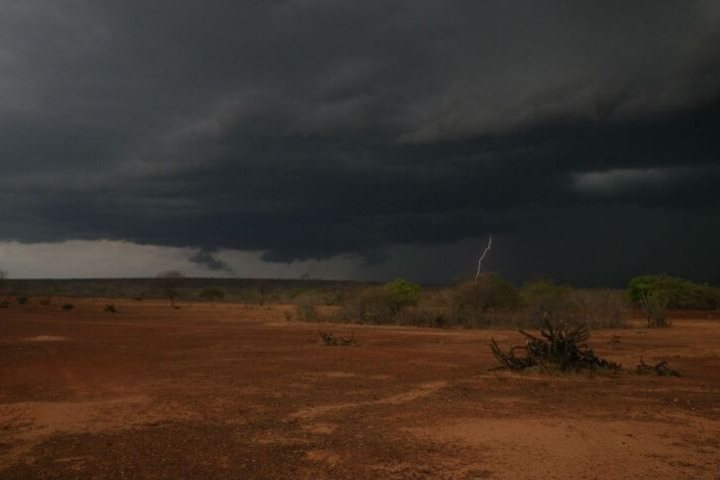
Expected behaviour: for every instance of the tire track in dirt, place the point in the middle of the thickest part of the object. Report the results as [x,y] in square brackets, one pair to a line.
[421,391]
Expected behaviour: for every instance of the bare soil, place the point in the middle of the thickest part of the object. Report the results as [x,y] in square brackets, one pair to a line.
[218,391]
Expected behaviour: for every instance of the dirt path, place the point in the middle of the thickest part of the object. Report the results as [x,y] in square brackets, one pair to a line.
[227,391]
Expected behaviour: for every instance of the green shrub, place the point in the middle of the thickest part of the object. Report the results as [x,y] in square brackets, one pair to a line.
[335,297]
[400,294]
[679,293]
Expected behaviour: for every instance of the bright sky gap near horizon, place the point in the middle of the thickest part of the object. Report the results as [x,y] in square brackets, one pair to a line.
[360,140]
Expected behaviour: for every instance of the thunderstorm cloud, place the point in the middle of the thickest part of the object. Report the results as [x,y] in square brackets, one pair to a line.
[583,135]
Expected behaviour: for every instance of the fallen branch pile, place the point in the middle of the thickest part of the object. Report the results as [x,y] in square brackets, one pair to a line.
[660,369]
[330,340]
[560,347]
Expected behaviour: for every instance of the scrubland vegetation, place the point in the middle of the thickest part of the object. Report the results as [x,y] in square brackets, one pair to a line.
[676,293]
[490,301]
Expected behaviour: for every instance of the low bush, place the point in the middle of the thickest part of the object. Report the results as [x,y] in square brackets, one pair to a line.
[679,293]
[423,317]
[383,304]
[560,346]
[307,311]
[653,305]
[491,301]
[482,302]
[330,340]
[367,307]
[601,308]
[545,300]
[211,293]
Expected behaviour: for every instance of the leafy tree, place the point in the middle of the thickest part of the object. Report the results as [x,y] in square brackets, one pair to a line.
[399,294]
[677,292]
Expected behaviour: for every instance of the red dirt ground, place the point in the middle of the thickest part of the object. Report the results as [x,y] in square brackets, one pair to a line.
[231,391]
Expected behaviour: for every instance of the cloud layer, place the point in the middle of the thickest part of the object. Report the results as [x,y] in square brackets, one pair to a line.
[316,129]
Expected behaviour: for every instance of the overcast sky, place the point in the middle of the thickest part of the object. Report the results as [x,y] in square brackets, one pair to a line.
[361,140]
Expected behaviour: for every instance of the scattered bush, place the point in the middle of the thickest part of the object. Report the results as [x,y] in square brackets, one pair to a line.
[45,302]
[660,369]
[422,317]
[653,305]
[330,340]
[560,346]
[211,293]
[306,311]
[679,293]
[335,297]
[400,294]
[381,305]
[477,303]
[110,308]
[22,300]
[601,308]
[367,307]
[68,306]
[545,300]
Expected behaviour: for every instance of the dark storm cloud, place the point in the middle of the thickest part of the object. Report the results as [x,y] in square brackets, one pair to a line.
[307,129]
[209,261]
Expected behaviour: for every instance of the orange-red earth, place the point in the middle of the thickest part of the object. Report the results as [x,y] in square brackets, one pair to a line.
[219,391]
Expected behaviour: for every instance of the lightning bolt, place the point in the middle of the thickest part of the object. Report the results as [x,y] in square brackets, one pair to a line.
[487,249]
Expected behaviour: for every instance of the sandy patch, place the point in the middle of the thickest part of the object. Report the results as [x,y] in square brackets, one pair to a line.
[47,338]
